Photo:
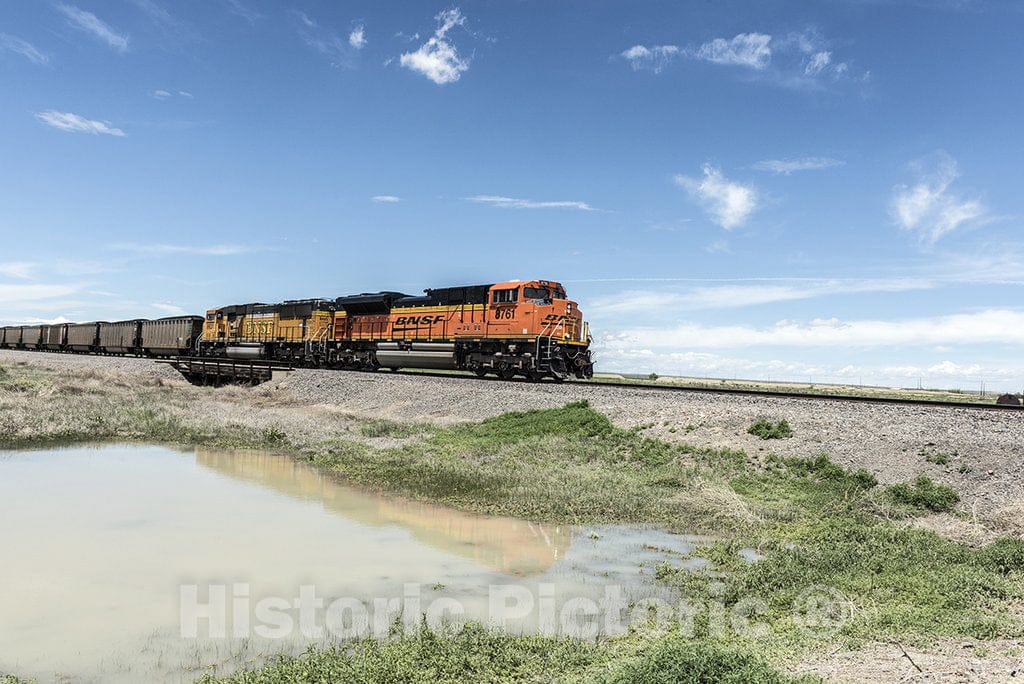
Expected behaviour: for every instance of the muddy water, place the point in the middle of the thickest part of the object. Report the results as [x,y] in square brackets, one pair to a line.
[99,546]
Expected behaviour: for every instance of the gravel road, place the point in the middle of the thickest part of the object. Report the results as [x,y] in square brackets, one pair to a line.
[985,448]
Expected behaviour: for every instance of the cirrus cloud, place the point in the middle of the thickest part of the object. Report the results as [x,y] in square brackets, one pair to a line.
[24,48]
[73,123]
[788,166]
[516,203]
[88,22]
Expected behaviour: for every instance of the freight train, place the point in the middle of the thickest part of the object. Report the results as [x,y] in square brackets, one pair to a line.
[515,328]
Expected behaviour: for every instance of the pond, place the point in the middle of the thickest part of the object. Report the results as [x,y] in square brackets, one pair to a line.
[133,562]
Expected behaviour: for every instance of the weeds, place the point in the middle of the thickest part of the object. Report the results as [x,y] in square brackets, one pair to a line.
[477,654]
[474,654]
[565,464]
[766,429]
[938,457]
[923,495]
[671,659]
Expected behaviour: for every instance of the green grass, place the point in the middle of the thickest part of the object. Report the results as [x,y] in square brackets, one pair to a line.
[568,465]
[923,494]
[670,660]
[822,528]
[766,429]
[476,654]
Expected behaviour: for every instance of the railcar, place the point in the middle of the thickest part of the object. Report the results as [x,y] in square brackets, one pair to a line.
[526,328]
[31,337]
[120,337]
[171,336]
[83,337]
[53,337]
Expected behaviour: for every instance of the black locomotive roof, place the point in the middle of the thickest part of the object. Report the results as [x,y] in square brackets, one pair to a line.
[414,301]
[241,309]
[369,302]
[454,296]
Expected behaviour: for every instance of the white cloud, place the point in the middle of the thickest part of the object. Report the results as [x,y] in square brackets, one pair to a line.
[72,123]
[992,326]
[386,199]
[944,373]
[927,207]
[745,49]
[335,48]
[357,38]
[40,321]
[438,59]
[788,166]
[198,250]
[90,23]
[655,57]
[796,60]
[740,295]
[729,203]
[241,9]
[169,309]
[14,294]
[162,94]
[24,48]
[817,63]
[514,203]
[21,270]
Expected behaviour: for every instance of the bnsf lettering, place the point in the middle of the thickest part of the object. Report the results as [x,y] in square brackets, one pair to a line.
[555,317]
[419,320]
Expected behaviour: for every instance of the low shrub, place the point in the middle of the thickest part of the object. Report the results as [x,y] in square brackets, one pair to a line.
[924,494]
[766,429]
[672,660]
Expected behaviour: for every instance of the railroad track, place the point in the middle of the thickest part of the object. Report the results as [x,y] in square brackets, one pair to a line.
[801,395]
[651,387]
[777,394]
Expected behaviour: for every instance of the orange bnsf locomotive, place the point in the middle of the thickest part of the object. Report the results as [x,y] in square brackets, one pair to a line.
[525,328]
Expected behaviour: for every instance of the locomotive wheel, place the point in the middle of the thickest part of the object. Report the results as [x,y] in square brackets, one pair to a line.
[506,373]
[480,373]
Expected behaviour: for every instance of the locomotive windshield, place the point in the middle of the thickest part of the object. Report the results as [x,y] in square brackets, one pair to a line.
[537,293]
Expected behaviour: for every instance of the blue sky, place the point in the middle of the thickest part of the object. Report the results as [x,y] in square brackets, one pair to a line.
[785,190]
